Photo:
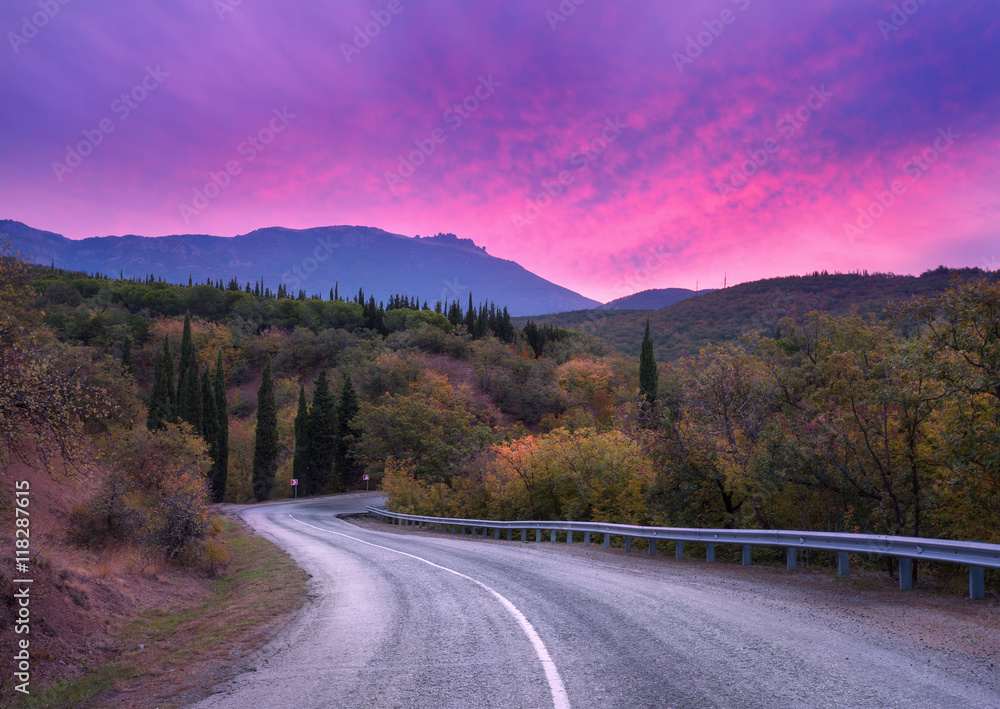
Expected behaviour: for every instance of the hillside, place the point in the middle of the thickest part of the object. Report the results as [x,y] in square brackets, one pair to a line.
[442,267]
[686,326]
[653,299]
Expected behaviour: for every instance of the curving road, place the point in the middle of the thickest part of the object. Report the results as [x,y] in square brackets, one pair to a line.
[433,620]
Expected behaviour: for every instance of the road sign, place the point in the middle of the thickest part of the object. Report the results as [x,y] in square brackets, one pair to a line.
[295,481]
[365,477]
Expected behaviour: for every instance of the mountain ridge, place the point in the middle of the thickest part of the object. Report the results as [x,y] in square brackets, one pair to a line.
[441,267]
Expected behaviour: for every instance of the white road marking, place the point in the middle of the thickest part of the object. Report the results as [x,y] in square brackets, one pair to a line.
[559,698]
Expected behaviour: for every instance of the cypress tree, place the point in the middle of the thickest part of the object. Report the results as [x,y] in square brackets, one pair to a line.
[648,376]
[210,432]
[127,356]
[346,434]
[301,456]
[161,398]
[222,431]
[322,435]
[265,448]
[189,399]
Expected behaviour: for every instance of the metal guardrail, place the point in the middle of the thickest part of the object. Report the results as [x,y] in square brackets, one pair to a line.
[976,555]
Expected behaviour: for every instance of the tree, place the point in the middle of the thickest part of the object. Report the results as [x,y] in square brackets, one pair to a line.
[347,434]
[155,489]
[189,399]
[210,432]
[322,437]
[221,471]
[265,450]
[161,398]
[300,458]
[44,399]
[127,356]
[648,376]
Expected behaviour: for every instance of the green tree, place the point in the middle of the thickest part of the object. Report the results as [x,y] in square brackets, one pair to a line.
[648,375]
[127,356]
[347,435]
[210,431]
[189,398]
[161,398]
[265,450]
[322,436]
[221,471]
[300,458]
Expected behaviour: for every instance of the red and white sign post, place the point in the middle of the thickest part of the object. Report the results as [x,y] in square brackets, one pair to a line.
[365,478]
[295,487]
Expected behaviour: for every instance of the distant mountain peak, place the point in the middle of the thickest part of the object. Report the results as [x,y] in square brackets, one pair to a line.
[442,267]
[450,240]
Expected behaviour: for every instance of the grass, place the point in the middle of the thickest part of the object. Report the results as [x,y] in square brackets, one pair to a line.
[260,585]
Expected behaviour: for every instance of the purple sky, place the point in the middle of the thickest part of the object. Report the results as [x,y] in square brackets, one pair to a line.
[598,148]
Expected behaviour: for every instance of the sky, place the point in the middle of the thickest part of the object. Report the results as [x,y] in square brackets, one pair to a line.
[610,146]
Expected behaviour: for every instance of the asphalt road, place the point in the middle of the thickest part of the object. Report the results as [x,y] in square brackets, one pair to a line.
[435,620]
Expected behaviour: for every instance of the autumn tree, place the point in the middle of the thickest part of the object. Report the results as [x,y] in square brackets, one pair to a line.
[44,398]
[155,491]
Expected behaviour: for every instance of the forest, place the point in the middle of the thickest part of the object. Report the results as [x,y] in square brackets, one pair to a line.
[882,424]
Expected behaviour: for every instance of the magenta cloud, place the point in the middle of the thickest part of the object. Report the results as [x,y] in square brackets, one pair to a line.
[610,147]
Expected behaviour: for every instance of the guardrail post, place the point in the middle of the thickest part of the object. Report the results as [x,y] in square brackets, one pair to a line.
[652,547]
[538,535]
[679,551]
[607,541]
[510,535]
[746,555]
[524,535]
[905,575]
[569,536]
[977,582]
[843,563]
[496,533]
[710,552]
[586,539]
[552,537]
[628,543]
[462,528]
[791,558]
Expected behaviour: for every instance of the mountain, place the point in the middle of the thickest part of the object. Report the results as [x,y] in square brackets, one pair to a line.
[683,328]
[442,267]
[652,299]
